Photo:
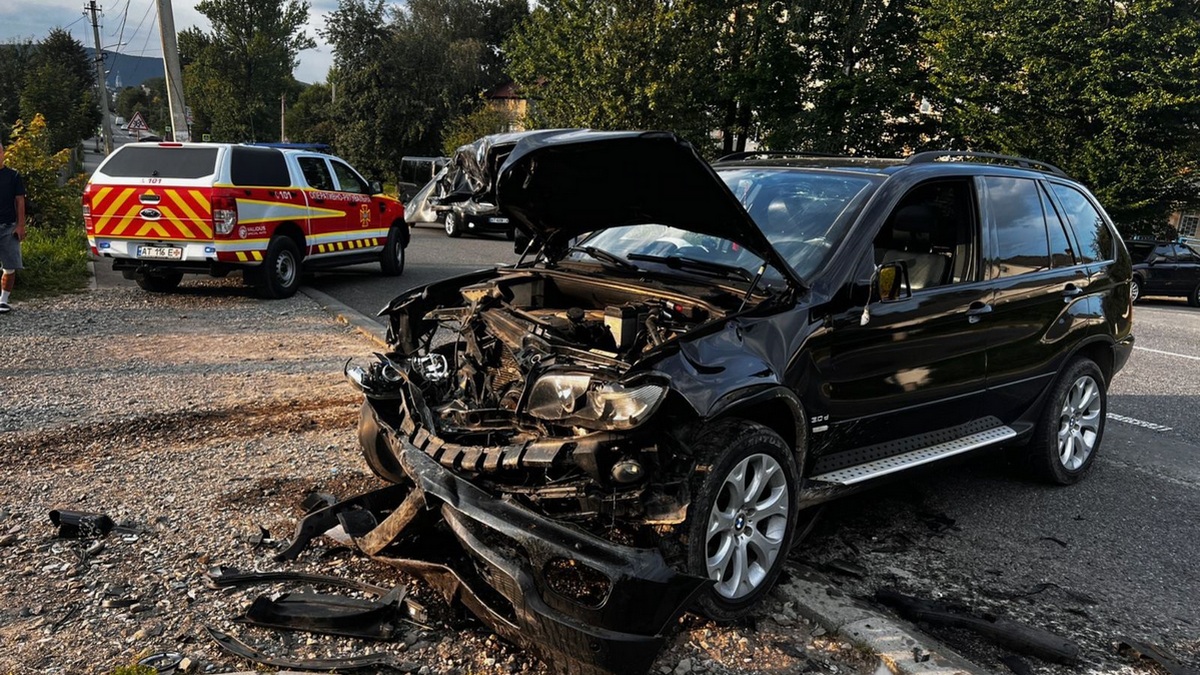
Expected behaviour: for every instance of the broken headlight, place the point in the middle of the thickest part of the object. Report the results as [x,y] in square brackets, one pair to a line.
[579,400]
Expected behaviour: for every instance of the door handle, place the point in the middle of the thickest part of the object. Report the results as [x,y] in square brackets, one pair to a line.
[977,309]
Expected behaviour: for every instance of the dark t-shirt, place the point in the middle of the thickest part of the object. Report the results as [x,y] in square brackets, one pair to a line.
[11,187]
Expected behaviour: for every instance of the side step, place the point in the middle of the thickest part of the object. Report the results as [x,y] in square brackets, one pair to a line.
[882,467]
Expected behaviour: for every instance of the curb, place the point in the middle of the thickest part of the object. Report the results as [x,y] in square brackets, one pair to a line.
[897,643]
[362,323]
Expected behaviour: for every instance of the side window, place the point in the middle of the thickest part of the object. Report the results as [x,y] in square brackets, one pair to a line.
[1094,237]
[1022,245]
[934,232]
[1188,254]
[316,173]
[1165,253]
[265,167]
[1060,244]
[347,179]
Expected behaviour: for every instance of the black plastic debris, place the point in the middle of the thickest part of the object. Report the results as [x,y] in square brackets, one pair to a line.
[329,614]
[1017,636]
[371,662]
[81,525]
[1018,665]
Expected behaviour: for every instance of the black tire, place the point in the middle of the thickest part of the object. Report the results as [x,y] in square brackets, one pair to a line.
[510,234]
[1135,289]
[1194,297]
[391,259]
[280,269]
[159,282]
[453,225]
[723,449]
[1068,435]
[379,457]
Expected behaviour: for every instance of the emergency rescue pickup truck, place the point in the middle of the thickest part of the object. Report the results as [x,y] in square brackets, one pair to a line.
[162,210]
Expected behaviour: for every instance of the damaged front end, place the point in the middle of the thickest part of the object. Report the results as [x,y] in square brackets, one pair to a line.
[517,405]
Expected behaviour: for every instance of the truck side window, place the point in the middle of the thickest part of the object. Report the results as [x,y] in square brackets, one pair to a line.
[933,232]
[316,173]
[1022,245]
[347,179]
[1094,237]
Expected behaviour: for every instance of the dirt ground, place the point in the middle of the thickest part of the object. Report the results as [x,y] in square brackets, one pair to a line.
[198,422]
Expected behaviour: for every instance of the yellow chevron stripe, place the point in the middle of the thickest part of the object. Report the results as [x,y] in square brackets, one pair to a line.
[182,204]
[176,221]
[116,209]
[201,201]
[241,255]
[257,255]
[341,246]
[152,227]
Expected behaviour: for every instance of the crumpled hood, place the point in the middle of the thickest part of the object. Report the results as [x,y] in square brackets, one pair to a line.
[559,184]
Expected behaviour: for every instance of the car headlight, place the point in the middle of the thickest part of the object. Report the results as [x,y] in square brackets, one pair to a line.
[580,401]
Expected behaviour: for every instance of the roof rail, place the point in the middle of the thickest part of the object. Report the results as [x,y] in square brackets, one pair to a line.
[767,154]
[1023,162]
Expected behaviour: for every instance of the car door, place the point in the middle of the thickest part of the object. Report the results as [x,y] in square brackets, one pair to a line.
[1042,291]
[916,364]
[357,193]
[329,215]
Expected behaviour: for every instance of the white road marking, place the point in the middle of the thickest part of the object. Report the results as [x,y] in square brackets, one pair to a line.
[1137,423]
[1159,351]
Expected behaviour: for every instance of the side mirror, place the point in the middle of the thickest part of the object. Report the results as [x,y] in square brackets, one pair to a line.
[891,282]
[376,187]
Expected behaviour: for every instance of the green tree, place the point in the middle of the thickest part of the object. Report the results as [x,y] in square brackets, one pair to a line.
[1108,91]
[60,85]
[484,120]
[14,59]
[237,73]
[311,119]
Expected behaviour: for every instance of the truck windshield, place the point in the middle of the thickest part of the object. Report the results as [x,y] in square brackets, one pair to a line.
[140,161]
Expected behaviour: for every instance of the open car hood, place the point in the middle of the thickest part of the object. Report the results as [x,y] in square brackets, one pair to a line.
[558,185]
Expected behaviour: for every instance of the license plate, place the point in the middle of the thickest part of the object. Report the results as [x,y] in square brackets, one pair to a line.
[498,221]
[160,252]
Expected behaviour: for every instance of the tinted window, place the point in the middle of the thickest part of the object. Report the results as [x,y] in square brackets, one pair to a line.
[349,181]
[1016,210]
[1140,251]
[1095,239]
[1165,252]
[1188,254]
[259,166]
[316,173]
[141,161]
[932,231]
[1060,244]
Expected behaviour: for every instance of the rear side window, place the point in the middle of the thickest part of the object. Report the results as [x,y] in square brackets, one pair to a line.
[259,166]
[1060,244]
[141,161]
[1094,237]
[1020,225]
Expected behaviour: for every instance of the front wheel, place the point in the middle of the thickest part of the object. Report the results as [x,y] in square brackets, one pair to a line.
[1194,298]
[1068,435]
[453,227]
[1135,290]
[392,258]
[280,274]
[742,517]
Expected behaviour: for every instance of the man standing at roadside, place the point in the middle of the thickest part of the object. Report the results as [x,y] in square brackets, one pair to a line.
[12,228]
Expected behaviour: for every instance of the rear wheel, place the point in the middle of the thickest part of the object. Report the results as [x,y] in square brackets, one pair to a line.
[1068,435]
[392,258]
[742,517]
[159,282]
[1194,298]
[453,226]
[280,269]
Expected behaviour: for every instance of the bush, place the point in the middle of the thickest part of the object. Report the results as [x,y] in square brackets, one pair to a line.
[55,247]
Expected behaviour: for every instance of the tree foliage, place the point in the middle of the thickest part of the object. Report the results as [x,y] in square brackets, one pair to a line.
[311,118]
[484,120]
[1109,91]
[236,74]
[32,152]
[14,58]
[60,85]
[400,75]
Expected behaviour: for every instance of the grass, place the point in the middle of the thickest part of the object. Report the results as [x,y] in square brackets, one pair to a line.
[55,262]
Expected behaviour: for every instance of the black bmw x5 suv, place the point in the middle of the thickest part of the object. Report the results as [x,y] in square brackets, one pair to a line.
[633,419]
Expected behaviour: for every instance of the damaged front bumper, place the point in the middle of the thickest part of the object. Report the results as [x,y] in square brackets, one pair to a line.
[580,602]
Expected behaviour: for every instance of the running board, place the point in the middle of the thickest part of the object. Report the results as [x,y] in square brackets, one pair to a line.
[882,467]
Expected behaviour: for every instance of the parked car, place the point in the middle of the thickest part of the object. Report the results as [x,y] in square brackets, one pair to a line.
[162,210]
[1165,268]
[634,420]
[416,172]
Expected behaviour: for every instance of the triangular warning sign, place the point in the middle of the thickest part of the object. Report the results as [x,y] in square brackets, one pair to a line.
[138,123]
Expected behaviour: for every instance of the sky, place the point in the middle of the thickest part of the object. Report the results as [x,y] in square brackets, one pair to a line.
[135,22]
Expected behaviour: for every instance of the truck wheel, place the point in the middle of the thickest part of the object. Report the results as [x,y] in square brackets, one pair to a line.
[391,260]
[280,269]
[159,282]
[1068,435]
[453,227]
[743,515]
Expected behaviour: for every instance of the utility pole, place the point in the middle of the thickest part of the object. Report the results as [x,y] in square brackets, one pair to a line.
[100,80]
[170,49]
[283,118]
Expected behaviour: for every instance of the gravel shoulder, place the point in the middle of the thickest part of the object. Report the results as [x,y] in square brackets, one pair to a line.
[201,420]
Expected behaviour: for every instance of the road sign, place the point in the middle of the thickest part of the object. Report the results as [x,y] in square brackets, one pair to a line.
[138,123]
[206,137]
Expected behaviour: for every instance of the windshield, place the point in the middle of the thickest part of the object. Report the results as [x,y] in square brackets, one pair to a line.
[648,245]
[804,214]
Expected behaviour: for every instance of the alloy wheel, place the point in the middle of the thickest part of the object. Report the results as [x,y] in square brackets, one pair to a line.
[747,526]
[1079,423]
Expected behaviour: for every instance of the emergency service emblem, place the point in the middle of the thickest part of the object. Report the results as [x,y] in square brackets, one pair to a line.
[364,215]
